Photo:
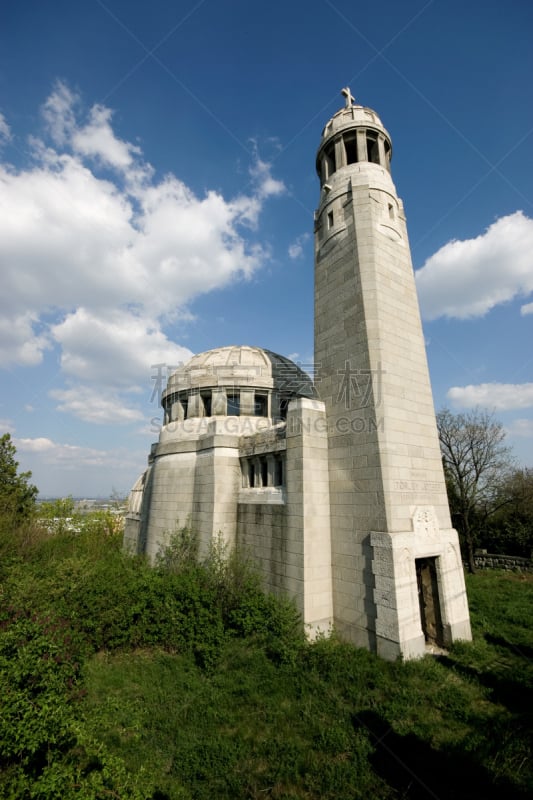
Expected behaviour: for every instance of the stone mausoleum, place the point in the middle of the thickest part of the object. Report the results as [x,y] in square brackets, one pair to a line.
[335,487]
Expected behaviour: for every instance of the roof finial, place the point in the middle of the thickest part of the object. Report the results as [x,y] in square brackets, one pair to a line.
[350,99]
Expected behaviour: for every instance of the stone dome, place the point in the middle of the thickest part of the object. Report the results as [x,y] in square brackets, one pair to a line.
[351,117]
[268,381]
[240,365]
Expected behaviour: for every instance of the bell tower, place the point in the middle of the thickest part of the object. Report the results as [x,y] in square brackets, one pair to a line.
[398,580]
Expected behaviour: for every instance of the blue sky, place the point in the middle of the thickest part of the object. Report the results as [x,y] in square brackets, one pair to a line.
[157,190]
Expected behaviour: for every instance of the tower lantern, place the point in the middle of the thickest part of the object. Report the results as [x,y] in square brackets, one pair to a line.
[353,135]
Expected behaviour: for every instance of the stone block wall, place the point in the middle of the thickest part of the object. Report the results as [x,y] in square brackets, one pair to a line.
[496,561]
[261,536]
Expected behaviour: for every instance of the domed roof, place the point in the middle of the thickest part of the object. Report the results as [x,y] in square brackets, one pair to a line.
[241,365]
[351,117]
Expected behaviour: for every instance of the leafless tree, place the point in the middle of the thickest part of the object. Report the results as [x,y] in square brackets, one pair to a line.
[511,528]
[476,464]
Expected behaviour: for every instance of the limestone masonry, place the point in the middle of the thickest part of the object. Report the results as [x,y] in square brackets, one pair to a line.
[336,488]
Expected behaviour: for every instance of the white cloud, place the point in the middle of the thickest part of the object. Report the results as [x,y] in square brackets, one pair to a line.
[498,396]
[296,249]
[267,186]
[468,278]
[97,139]
[59,113]
[18,340]
[34,445]
[6,426]
[527,309]
[118,352]
[98,263]
[5,131]
[520,427]
[62,469]
[115,348]
[68,455]
[96,405]
[260,171]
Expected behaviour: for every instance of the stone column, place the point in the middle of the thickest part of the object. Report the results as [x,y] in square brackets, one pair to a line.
[176,411]
[308,546]
[271,465]
[381,150]
[247,402]
[219,403]
[195,407]
[340,153]
[362,152]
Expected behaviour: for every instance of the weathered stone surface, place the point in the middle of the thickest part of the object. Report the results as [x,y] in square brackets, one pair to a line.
[384,457]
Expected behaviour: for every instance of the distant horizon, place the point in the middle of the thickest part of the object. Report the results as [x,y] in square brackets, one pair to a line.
[44,498]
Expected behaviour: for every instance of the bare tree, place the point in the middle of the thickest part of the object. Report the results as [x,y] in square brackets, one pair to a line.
[511,528]
[476,463]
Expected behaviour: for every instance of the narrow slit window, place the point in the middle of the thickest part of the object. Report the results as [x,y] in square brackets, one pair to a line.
[387,155]
[264,472]
[329,161]
[206,400]
[350,145]
[391,211]
[330,220]
[251,474]
[372,148]
[278,471]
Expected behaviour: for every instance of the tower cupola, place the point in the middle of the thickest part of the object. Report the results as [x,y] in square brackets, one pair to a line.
[353,135]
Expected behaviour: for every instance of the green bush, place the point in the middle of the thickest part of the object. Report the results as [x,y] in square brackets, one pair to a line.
[200,685]
[44,751]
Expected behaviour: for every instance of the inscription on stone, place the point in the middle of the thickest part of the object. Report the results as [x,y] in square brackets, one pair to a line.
[416,486]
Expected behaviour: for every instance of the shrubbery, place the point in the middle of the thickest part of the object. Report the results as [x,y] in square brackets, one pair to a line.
[190,670]
[70,594]
[45,751]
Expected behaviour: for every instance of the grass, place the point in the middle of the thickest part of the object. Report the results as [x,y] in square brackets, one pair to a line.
[172,683]
[251,729]
[337,723]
